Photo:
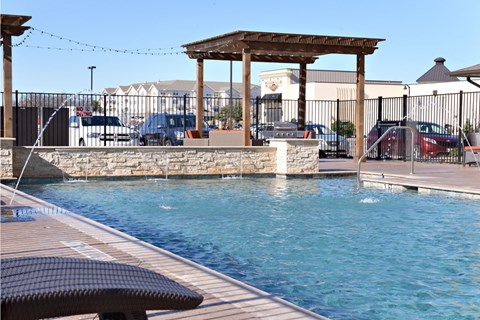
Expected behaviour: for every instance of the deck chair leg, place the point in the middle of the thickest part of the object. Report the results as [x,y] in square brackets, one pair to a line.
[139,315]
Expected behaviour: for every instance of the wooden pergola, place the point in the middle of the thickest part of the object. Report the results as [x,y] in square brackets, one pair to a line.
[12,26]
[248,46]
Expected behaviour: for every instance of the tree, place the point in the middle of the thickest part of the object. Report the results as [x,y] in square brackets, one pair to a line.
[236,113]
[96,106]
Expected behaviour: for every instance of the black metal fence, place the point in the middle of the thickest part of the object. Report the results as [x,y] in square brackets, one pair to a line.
[440,122]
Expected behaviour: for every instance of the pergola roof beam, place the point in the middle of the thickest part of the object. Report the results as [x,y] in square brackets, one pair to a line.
[255,57]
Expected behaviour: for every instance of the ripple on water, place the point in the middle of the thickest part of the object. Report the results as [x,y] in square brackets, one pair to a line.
[341,252]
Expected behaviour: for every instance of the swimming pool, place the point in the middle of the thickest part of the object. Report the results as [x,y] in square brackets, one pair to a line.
[320,243]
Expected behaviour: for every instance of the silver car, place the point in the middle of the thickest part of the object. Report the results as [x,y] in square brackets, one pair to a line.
[328,143]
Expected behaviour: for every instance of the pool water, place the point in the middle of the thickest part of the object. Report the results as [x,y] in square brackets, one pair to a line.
[322,244]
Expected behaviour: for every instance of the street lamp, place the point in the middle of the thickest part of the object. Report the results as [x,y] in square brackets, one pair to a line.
[91,77]
[405,87]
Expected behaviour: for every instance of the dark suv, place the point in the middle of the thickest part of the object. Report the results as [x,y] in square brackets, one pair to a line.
[163,129]
[431,140]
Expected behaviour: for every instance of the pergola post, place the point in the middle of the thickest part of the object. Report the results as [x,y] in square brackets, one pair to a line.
[7,86]
[199,118]
[10,25]
[359,107]
[246,60]
[302,96]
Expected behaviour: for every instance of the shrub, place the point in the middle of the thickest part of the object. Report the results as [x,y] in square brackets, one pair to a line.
[468,126]
[344,128]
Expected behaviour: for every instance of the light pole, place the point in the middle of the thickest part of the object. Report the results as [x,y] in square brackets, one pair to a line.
[91,77]
[405,87]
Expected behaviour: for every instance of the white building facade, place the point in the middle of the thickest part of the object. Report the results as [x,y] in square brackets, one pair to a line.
[142,99]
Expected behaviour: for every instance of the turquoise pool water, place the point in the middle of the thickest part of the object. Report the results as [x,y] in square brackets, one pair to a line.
[321,244]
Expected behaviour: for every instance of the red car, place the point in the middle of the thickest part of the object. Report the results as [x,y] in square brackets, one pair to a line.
[431,140]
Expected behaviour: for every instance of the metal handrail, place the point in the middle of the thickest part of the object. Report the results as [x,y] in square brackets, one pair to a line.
[378,141]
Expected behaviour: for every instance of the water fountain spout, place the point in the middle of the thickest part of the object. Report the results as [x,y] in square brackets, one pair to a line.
[166,166]
[40,135]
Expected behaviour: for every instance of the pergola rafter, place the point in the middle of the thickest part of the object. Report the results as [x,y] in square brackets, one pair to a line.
[248,46]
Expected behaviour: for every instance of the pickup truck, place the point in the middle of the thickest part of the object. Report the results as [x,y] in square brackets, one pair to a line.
[90,131]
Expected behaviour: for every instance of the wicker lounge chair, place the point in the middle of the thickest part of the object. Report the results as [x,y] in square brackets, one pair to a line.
[44,287]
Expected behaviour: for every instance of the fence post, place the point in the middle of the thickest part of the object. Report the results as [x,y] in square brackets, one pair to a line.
[257,102]
[16,118]
[460,116]
[404,123]
[104,119]
[379,128]
[185,117]
[337,155]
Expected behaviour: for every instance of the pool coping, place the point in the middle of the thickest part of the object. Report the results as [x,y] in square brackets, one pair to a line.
[391,184]
[370,179]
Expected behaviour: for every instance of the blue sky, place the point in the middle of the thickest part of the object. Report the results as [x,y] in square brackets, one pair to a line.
[416,33]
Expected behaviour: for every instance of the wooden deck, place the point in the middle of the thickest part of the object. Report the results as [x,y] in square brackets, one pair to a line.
[55,232]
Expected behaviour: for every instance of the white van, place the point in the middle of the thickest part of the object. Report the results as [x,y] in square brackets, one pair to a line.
[99,130]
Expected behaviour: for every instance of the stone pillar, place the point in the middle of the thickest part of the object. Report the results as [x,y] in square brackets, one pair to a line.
[6,157]
[296,156]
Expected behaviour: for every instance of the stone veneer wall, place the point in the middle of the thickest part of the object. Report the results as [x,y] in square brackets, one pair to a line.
[283,157]
[6,157]
[58,162]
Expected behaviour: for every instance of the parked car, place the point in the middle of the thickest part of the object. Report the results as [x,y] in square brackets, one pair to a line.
[90,131]
[258,131]
[328,143]
[164,129]
[430,140]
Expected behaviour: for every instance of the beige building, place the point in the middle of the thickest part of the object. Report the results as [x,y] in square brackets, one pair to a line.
[324,85]
[334,84]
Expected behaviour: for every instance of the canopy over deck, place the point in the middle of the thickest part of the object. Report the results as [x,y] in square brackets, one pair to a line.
[277,47]
[468,72]
[247,46]
[473,71]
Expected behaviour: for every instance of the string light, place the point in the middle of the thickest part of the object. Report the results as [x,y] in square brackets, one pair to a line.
[24,39]
[95,48]
[103,50]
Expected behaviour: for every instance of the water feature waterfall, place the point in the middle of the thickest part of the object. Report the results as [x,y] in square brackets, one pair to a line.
[165,170]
